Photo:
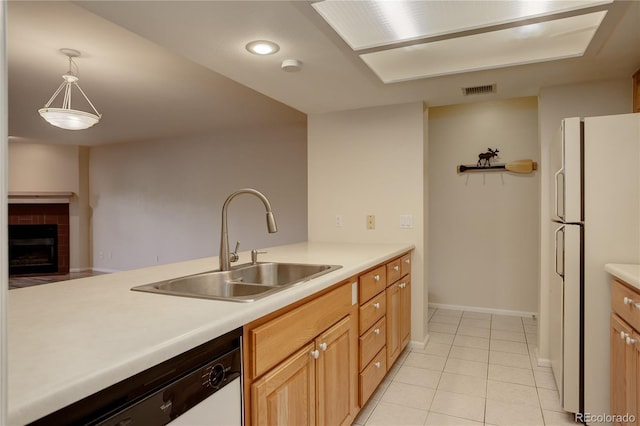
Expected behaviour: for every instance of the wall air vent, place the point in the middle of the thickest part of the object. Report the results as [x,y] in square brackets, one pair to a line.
[479,90]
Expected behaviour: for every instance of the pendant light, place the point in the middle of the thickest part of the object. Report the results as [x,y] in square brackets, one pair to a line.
[66,117]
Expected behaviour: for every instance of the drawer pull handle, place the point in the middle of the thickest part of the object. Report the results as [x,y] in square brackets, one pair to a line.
[630,341]
[396,268]
[377,364]
[376,305]
[315,354]
[323,346]
[623,335]
[376,277]
[627,300]
[376,331]
[402,285]
[407,261]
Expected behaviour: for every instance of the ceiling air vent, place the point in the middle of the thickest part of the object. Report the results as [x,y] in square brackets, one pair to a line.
[479,90]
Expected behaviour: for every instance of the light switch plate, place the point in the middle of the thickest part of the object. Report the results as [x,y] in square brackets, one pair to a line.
[406,221]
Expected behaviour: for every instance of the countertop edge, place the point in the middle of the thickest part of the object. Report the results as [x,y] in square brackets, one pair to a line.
[629,273]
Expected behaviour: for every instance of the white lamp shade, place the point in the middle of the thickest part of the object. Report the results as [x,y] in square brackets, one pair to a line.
[69,119]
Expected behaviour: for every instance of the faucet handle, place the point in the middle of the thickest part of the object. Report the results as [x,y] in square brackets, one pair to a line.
[233,257]
[254,255]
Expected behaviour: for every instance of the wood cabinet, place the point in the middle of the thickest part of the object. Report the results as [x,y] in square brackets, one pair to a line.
[286,395]
[301,363]
[625,354]
[385,320]
[398,316]
[319,360]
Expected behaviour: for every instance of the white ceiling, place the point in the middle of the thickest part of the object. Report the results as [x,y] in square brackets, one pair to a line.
[169,68]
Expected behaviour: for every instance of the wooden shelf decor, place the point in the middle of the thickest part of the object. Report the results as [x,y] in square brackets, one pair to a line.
[520,166]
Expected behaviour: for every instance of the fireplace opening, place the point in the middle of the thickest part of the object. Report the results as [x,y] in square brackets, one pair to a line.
[33,249]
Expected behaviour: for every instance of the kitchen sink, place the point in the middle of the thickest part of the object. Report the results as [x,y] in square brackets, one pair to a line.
[243,283]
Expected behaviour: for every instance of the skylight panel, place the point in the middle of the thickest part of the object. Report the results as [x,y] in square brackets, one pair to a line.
[369,24]
[544,41]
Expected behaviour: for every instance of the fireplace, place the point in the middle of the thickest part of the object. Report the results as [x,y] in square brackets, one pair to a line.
[38,239]
[33,249]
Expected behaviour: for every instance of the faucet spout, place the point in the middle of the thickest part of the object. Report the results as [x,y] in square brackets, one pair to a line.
[225,263]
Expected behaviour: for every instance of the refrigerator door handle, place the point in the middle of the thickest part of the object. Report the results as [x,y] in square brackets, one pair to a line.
[557,209]
[559,271]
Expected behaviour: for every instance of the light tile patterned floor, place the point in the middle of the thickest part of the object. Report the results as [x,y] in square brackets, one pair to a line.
[477,369]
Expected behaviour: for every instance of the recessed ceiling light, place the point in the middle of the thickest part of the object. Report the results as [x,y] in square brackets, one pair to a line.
[262,47]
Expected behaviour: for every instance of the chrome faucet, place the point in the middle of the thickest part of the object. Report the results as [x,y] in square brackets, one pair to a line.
[225,261]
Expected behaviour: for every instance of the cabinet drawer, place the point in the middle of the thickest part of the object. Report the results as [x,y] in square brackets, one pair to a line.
[405,264]
[627,311]
[275,340]
[394,270]
[372,311]
[371,377]
[372,341]
[372,283]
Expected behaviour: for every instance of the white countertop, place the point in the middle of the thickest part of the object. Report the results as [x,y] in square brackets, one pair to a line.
[629,273]
[70,339]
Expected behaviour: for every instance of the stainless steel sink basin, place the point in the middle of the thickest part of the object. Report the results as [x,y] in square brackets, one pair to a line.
[244,283]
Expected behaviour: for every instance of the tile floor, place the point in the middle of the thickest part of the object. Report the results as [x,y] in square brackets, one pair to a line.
[477,369]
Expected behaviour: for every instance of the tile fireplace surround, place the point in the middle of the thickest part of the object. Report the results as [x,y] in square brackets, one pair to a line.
[46,214]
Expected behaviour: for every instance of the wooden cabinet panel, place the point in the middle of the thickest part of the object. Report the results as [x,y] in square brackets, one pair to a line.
[372,283]
[393,323]
[394,270]
[405,264]
[286,395]
[623,302]
[624,359]
[275,340]
[398,318]
[372,341]
[405,313]
[336,374]
[372,311]
[371,376]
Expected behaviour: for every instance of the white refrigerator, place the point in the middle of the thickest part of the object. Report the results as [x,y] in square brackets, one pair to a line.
[595,216]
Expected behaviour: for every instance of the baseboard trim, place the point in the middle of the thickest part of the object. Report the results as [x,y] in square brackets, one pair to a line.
[542,362]
[416,344]
[85,269]
[484,310]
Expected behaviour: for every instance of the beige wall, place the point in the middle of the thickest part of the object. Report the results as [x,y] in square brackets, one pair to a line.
[483,227]
[160,201]
[370,161]
[39,167]
[555,103]
[63,168]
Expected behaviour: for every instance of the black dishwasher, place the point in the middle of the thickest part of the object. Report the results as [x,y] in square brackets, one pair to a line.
[161,393]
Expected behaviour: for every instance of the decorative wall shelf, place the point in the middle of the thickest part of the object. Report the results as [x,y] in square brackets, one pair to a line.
[520,166]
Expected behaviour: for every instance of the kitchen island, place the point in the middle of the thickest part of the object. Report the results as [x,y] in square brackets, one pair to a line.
[70,339]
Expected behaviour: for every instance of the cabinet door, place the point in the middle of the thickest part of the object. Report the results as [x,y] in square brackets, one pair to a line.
[337,373]
[287,394]
[405,314]
[393,323]
[623,368]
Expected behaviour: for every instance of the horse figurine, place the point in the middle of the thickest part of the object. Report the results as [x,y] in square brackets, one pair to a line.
[487,156]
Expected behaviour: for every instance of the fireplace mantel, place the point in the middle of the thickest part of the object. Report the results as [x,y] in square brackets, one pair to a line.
[39,197]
